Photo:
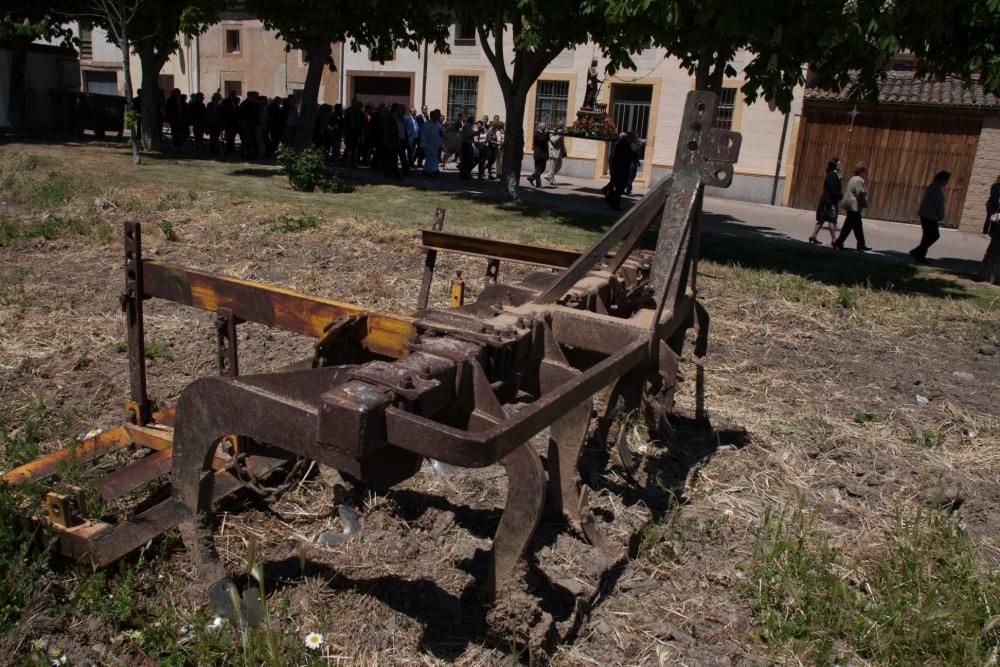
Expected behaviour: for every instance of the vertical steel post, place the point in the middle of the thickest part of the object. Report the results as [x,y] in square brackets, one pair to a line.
[131,301]
[225,329]
[429,261]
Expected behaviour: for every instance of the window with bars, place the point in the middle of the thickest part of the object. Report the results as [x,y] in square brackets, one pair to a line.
[551,102]
[727,109]
[463,95]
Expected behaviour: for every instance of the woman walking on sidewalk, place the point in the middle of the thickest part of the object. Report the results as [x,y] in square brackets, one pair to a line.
[826,211]
[931,214]
[854,202]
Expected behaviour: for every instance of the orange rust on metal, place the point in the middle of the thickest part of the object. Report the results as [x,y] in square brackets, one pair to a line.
[86,450]
[493,249]
[153,438]
[379,333]
[457,291]
[66,510]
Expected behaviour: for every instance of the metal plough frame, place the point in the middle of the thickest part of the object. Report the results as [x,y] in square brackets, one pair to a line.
[468,387]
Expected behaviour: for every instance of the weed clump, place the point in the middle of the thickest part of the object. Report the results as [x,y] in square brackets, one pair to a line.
[921,599]
[293,223]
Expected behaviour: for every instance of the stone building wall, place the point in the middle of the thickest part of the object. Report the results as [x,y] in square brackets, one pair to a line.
[985,171]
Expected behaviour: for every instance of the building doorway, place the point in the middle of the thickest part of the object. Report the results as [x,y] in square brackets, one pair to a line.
[630,112]
[376,90]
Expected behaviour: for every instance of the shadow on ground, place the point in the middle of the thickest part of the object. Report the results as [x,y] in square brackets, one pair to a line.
[450,623]
[725,241]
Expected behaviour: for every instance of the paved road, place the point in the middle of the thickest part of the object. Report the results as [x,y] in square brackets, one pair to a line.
[955,251]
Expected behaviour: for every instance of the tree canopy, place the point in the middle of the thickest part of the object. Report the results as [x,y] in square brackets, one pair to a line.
[841,42]
[314,25]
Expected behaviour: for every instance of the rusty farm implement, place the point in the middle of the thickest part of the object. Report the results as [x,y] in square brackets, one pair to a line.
[468,386]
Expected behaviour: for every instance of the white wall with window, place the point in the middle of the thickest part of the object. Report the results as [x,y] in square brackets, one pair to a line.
[463,95]
[551,102]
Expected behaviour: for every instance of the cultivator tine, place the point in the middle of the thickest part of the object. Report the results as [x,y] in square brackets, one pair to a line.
[567,436]
[525,492]
[469,386]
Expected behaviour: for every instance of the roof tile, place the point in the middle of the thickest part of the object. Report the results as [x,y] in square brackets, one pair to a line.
[903,88]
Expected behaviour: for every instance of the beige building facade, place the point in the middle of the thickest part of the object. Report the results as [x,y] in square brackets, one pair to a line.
[649,100]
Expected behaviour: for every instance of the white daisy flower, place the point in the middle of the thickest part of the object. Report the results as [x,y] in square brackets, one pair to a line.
[314,640]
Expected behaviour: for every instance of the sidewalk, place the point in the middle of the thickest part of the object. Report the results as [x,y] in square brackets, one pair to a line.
[956,250]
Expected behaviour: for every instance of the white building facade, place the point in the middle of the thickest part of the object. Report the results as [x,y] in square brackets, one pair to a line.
[649,100]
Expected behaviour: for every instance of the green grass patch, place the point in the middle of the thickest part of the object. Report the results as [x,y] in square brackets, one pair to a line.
[922,599]
[157,350]
[22,562]
[293,223]
[861,417]
[51,192]
[22,432]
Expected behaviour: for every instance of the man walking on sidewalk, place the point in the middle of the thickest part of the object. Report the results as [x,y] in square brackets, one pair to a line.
[931,214]
[855,201]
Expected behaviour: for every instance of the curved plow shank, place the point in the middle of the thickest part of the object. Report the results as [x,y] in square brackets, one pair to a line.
[567,436]
[210,409]
[521,514]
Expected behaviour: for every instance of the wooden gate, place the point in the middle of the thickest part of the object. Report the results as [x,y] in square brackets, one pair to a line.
[903,151]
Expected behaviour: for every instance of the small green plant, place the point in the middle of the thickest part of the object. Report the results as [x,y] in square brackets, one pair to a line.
[22,432]
[305,169]
[862,417]
[8,232]
[53,226]
[293,223]
[337,185]
[52,191]
[157,350]
[167,228]
[929,438]
[847,298]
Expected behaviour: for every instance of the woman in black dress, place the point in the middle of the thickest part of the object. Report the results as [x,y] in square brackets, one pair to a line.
[826,211]
[992,224]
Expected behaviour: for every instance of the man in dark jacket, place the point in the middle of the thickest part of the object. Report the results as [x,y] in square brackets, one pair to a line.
[826,211]
[931,214]
[540,154]
[620,166]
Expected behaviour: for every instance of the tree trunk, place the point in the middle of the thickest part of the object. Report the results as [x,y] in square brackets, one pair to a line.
[127,75]
[319,55]
[149,106]
[513,142]
[990,273]
[17,102]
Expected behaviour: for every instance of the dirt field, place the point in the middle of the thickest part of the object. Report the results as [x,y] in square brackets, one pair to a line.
[859,396]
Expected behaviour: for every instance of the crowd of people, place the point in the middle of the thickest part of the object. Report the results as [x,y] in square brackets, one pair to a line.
[388,137]
[260,124]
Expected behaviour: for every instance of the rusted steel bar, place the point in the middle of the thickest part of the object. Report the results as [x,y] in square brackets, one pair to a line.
[381,333]
[478,449]
[639,215]
[494,249]
[87,449]
[131,302]
[430,259]
[226,343]
[123,480]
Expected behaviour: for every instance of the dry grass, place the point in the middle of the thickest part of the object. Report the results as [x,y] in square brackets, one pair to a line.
[821,376]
